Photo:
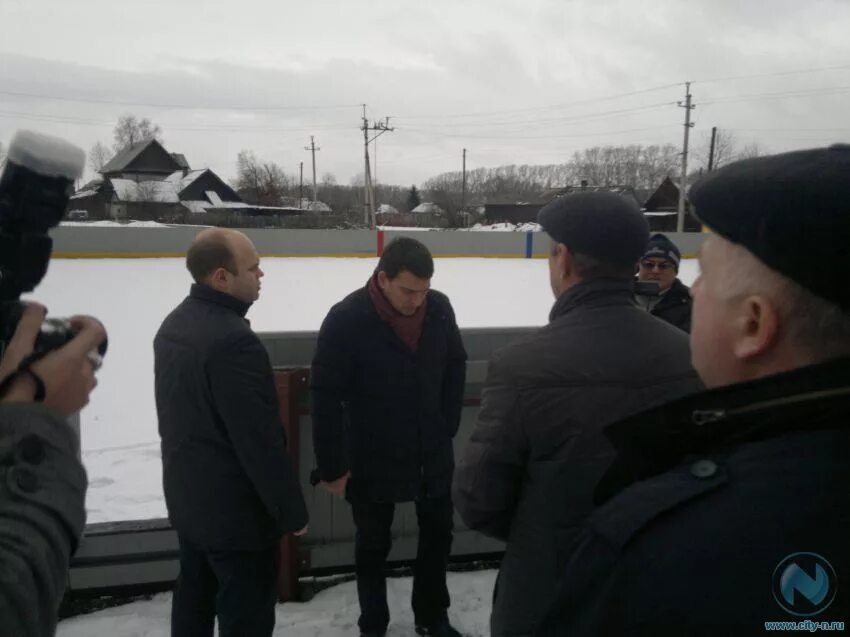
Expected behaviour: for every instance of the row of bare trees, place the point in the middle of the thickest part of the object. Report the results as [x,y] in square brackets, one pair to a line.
[265,182]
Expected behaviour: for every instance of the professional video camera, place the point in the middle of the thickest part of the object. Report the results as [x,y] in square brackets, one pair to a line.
[35,186]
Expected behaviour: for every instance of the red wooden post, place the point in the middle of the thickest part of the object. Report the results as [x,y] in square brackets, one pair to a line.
[292,385]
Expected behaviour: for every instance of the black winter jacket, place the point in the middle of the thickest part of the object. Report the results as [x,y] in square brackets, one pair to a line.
[380,410]
[675,306]
[706,499]
[537,450]
[228,481]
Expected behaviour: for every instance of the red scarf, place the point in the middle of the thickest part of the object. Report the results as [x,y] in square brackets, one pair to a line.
[407,328]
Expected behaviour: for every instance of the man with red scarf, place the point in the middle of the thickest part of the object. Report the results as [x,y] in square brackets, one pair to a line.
[387,385]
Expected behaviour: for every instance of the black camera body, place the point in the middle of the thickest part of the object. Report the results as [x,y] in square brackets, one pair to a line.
[35,186]
[647,288]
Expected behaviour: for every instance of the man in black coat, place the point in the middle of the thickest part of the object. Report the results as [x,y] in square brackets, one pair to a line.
[537,450]
[387,387]
[729,512]
[229,485]
[663,294]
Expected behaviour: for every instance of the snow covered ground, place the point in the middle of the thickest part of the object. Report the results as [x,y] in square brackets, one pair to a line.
[115,224]
[132,296]
[332,613]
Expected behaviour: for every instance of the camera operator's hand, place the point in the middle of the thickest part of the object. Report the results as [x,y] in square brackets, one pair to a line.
[67,373]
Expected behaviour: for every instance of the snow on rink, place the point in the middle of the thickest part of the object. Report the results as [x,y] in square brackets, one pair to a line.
[332,613]
[132,296]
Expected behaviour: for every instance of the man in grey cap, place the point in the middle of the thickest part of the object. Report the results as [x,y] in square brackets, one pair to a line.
[528,472]
[728,512]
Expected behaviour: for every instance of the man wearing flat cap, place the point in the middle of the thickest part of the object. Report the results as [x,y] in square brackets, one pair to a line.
[730,509]
[528,472]
[662,293]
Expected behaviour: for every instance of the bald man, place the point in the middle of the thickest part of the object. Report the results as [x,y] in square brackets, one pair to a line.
[230,489]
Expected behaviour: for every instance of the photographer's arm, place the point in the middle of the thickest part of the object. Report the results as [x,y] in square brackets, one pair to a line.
[42,483]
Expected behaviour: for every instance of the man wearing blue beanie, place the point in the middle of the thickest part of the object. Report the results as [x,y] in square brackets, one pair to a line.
[660,291]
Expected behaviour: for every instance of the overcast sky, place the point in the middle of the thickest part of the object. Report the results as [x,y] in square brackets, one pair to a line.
[513,81]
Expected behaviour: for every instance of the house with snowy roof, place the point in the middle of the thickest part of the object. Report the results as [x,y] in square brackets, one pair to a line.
[145,181]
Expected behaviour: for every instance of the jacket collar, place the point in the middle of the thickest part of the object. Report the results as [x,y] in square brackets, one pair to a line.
[596,293]
[363,301]
[808,398]
[208,295]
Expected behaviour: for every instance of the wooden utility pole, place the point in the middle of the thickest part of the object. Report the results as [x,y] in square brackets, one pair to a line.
[301,185]
[312,148]
[369,193]
[711,148]
[683,182]
[463,189]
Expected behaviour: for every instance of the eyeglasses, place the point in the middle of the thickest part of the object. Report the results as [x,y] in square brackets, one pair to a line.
[662,266]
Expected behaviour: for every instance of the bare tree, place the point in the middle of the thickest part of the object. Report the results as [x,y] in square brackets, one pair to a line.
[99,156]
[263,183]
[750,151]
[635,165]
[146,191]
[130,130]
[725,149]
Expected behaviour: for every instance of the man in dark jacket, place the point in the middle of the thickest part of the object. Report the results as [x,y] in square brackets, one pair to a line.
[42,482]
[664,296]
[728,512]
[229,486]
[537,450]
[387,387]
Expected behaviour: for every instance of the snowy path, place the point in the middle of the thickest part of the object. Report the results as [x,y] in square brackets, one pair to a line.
[332,613]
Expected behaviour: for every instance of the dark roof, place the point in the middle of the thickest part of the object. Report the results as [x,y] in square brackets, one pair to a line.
[552,193]
[122,159]
[180,158]
[642,194]
[665,197]
[515,200]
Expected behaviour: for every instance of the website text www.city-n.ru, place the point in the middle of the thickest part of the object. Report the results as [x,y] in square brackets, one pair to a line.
[806,626]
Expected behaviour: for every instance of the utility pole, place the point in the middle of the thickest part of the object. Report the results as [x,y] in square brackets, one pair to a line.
[369,194]
[463,189]
[711,149]
[313,149]
[301,186]
[680,223]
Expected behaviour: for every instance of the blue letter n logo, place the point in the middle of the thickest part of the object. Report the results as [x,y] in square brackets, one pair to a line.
[804,584]
[796,579]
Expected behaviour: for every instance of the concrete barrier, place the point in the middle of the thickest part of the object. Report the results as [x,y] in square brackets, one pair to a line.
[172,241]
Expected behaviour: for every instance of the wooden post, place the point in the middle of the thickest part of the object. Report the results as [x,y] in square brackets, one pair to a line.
[292,386]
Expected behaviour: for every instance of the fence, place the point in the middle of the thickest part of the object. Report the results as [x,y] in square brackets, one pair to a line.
[172,241]
[143,553]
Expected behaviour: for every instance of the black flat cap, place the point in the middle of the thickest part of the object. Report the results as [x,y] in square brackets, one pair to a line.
[792,211]
[603,225]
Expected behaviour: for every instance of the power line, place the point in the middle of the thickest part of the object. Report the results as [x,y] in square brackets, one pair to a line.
[731,99]
[773,74]
[547,107]
[511,137]
[574,118]
[214,128]
[204,107]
